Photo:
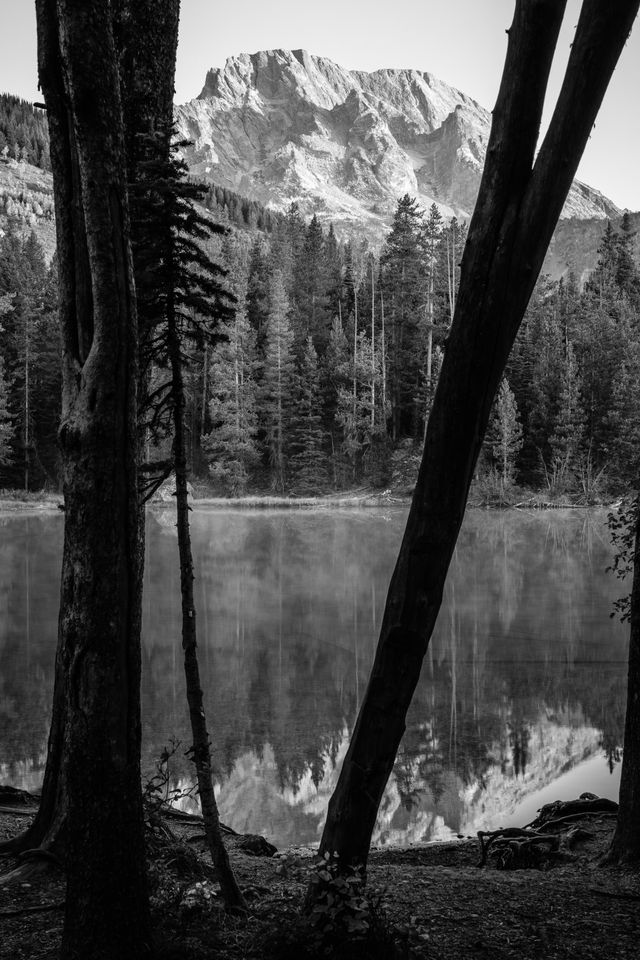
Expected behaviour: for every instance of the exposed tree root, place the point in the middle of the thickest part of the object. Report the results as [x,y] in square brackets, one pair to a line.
[622,895]
[515,845]
[59,905]
[587,803]
[32,863]
[17,811]
[562,821]
[521,848]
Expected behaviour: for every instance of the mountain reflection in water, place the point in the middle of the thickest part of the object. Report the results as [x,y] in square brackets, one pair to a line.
[523,685]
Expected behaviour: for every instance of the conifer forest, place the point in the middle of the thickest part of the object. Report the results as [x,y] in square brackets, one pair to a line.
[322,375]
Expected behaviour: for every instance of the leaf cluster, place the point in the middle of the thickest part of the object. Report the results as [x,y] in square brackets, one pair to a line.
[622,523]
[159,790]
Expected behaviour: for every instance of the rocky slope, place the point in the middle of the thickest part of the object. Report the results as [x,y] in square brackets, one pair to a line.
[282,125]
[26,201]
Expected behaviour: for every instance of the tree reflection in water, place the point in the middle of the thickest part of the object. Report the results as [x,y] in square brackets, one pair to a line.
[523,679]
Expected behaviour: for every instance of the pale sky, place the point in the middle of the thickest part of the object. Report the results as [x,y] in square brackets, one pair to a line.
[460,41]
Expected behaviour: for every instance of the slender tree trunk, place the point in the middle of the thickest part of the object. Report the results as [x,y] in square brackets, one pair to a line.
[205,390]
[354,411]
[625,848]
[451,273]
[27,412]
[201,752]
[429,343]
[384,360]
[280,450]
[373,355]
[518,206]
[95,741]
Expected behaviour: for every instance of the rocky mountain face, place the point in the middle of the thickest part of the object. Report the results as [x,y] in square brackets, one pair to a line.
[280,125]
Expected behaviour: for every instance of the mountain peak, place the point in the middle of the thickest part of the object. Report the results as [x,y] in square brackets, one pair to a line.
[283,125]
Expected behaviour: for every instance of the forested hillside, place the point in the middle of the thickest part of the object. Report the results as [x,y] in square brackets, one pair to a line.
[329,370]
[29,365]
[324,378]
[23,132]
[26,201]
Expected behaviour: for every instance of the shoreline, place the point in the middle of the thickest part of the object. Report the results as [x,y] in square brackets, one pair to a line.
[431,901]
[52,503]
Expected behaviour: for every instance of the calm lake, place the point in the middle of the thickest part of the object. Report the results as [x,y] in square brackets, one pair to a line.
[522,693]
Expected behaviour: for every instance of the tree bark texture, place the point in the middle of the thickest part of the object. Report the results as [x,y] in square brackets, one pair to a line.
[518,206]
[625,847]
[94,747]
[146,38]
[146,33]
[201,749]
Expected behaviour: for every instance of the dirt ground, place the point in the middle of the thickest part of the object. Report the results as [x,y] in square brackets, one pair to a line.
[435,899]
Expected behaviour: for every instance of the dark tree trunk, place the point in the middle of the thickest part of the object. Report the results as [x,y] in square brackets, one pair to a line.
[625,847]
[518,206]
[201,750]
[95,741]
[146,36]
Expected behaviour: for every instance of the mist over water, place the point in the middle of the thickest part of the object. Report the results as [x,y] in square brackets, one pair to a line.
[522,692]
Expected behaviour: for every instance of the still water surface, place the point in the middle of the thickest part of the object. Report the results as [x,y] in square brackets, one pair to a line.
[521,698]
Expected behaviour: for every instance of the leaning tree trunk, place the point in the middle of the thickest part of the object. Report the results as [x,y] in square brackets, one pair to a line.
[625,847]
[518,206]
[201,750]
[146,35]
[95,740]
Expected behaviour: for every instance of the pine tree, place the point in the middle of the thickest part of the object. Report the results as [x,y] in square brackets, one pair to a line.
[311,317]
[452,245]
[504,435]
[432,235]
[286,246]
[623,454]
[568,426]
[258,290]
[308,463]
[277,382]
[627,273]
[170,236]
[182,300]
[605,276]
[404,286]
[24,276]
[231,446]
[534,374]
[602,342]
[360,418]
[6,418]
[335,369]
[334,270]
